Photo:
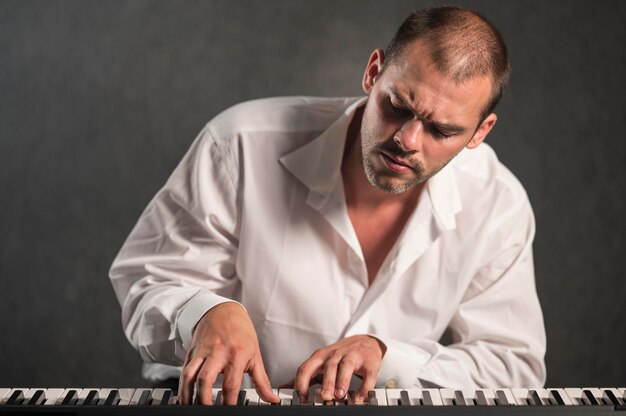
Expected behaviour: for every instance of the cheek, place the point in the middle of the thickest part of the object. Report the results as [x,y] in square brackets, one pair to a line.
[442,151]
[376,125]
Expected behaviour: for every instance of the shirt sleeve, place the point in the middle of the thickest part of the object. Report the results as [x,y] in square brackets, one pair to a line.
[179,260]
[497,331]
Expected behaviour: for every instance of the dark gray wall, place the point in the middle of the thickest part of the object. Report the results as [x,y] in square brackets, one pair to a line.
[99,101]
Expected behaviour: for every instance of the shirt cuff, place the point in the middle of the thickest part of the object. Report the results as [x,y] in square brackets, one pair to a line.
[194,310]
[400,364]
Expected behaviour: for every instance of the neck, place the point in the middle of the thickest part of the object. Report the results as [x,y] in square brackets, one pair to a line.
[359,192]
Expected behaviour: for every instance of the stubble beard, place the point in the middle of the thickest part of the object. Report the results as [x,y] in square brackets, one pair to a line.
[385,180]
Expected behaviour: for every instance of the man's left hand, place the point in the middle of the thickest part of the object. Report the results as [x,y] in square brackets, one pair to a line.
[359,354]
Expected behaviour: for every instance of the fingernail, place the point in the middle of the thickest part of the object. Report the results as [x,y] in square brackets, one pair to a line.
[327,395]
[359,398]
[339,393]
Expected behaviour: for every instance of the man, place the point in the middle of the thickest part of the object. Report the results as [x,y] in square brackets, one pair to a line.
[307,240]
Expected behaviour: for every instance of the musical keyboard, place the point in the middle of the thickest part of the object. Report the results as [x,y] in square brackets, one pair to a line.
[148,401]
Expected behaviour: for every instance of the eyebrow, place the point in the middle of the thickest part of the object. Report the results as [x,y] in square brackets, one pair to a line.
[448,128]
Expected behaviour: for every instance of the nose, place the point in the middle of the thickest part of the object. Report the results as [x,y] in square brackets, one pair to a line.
[409,137]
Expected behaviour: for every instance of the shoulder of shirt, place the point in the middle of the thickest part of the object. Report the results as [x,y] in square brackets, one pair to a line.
[488,174]
[278,114]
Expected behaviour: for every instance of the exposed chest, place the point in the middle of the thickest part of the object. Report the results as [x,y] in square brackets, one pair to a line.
[377,233]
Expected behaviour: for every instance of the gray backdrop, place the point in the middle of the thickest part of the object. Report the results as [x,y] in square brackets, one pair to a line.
[99,101]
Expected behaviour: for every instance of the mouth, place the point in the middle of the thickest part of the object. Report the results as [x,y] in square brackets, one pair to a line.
[396,165]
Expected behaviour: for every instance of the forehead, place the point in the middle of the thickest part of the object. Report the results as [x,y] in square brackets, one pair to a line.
[414,77]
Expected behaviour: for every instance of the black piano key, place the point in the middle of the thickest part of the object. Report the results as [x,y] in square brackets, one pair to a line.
[557,398]
[372,400]
[459,399]
[38,398]
[113,398]
[501,399]
[590,397]
[16,398]
[295,398]
[165,400]
[145,399]
[218,399]
[609,397]
[70,398]
[481,399]
[427,399]
[241,398]
[350,398]
[405,400]
[534,399]
[91,399]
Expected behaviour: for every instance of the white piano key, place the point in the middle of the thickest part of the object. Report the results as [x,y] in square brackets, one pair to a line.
[392,396]
[24,391]
[31,392]
[490,396]
[134,400]
[84,393]
[315,396]
[285,396]
[546,397]
[417,396]
[66,391]
[577,395]
[381,397]
[126,396]
[52,395]
[103,393]
[158,395]
[616,391]
[448,397]
[3,393]
[564,396]
[520,396]
[252,397]
[264,403]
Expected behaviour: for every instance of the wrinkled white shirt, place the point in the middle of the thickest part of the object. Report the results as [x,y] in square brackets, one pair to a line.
[255,212]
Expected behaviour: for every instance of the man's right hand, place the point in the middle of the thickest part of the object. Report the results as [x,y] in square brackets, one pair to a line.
[224,341]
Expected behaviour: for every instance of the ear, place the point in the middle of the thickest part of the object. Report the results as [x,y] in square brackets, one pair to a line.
[372,71]
[481,132]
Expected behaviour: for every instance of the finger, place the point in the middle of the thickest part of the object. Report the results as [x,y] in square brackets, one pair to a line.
[344,376]
[369,375]
[330,375]
[262,383]
[233,376]
[188,379]
[206,379]
[306,372]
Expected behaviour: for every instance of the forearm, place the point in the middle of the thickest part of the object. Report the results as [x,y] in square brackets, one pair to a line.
[479,364]
[179,260]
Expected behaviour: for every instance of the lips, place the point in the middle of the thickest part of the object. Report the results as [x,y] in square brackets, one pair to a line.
[396,165]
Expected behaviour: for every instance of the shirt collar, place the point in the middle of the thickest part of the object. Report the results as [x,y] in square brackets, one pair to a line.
[444,196]
[317,165]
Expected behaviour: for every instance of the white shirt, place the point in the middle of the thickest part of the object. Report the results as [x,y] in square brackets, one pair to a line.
[256,213]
